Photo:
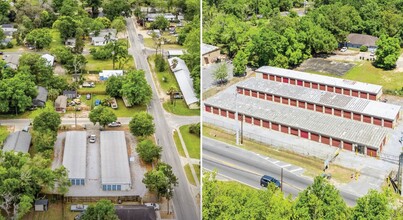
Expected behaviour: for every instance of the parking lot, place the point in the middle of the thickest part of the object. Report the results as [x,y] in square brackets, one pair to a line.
[321,65]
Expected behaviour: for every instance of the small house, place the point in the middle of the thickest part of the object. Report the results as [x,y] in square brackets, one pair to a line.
[18,141]
[99,41]
[70,94]
[358,40]
[50,60]
[8,28]
[105,74]
[210,53]
[61,104]
[70,42]
[41,205]
[12,60]
[41,98]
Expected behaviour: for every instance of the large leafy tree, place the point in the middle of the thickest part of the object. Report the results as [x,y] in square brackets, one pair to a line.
[148,151]
[116,8]
[387,53]
[135,88]
[220,74]
[240,61]
[321,200]
[373,206]
[23,177]
[67,27]
[160,23]
[103,115]
[114,86]
[37,67]
[47,120]
[94,4]
[103,209]
[44,139]
[142,124]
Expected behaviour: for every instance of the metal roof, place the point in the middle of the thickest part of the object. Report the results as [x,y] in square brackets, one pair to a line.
[324,124]
[109,73]
[207,48]
[175,52]
[327,80]
[75,154]
[114,158]
[182,75]
[339,101]
[42,95]
[18,141]
[49,59]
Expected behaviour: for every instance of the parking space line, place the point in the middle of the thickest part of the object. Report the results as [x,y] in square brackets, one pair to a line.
[295,170]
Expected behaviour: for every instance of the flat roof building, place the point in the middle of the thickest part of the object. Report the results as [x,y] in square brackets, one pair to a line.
[115,171]
[350,107]
[326,83]
[75,156]
[323,128]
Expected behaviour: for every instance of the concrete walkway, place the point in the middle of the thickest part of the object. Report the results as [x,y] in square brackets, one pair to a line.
[189,161]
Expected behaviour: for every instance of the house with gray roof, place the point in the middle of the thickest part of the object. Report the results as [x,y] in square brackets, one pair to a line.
[358,40]
[18,141]
[12,60]
[41,98]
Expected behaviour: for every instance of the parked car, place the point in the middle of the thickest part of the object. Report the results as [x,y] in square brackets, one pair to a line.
[1,52]
[266,180]
[88,96]
[88,85]
[78,208]
[115,124]
[93,138]
[343,49]
[155,205]
[178,95]
[97,102]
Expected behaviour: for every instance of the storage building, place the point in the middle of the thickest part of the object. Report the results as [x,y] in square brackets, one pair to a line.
[75,156]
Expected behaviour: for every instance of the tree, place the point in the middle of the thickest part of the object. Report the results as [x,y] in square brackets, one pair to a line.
[160,23]
[49,119]
[43,139]
[148,151]
[160,63]
[94,4]
[387,53]
[195,129]
[23,178]
[103,209]
[67,27]
[142,124]
[321,200]
[114,86]
[40,38]
[118,24]
[135,88]
[221,73]
[374,205]
[62,54]
[240,61]
[116,8]
[105,21]
[161,180]
[37,67]
[103,115]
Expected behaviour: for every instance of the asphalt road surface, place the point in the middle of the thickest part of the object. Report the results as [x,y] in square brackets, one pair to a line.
[184,203]
[247,167]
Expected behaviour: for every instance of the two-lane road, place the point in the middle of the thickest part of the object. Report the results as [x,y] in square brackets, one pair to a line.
[248,167]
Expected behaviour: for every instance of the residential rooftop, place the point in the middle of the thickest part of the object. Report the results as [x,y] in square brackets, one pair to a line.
[207,48]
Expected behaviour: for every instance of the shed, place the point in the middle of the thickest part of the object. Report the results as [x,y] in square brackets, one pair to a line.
[74,156]
[182,75]
[61,103]
[210,53]
[41,98]
[71,94]
[105,74]
[358,40]
[41,205]
[115,171]
[70,42]
[175,53]
[18,141]
[12,60]
[50,60]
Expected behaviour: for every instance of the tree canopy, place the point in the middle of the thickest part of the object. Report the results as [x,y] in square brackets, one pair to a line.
[103,209]
[387,53]
[135,88]
[142,124]
[148,151]
[103,115]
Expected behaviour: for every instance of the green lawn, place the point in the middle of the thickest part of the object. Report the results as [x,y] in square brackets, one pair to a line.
[365,72]
[189,175]
[56,40]
[16,47]
[166,79]
[180,108]
[3,134]
[178,144]
[99,65]
[197,170]
[27,113]
[192,142]
[98,89]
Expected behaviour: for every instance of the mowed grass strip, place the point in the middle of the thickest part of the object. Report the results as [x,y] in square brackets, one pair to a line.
[180,108]
[313,166]
[189,175]
[192,142]
[178,144]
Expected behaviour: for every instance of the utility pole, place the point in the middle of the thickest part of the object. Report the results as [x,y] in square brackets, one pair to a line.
[281,184]
[236,117]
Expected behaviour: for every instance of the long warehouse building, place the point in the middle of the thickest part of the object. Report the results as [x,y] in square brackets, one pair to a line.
[324,128]
[368,111]
[115,171]
[325,83]
[75,156]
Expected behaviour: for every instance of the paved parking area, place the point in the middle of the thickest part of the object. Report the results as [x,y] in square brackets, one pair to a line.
[208,71]
[322,65]
[93,167]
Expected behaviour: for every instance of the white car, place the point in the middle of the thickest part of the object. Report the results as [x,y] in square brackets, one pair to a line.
[93,138]
[343,49]
[155,205]
[115,124]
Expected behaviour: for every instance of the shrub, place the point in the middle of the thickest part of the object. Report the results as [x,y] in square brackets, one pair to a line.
[160,63]
[195,129]
[10,45]
[363,48]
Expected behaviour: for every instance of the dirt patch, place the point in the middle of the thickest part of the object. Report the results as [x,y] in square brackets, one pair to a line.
[92,77]
[320,65]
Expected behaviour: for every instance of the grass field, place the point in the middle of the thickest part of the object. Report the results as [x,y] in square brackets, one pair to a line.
[313,166]
[99,65]
[98,89]
[28,114]
[166,79]
[189,175]
[192,142]
[180,108]
[56,40]
[178,144]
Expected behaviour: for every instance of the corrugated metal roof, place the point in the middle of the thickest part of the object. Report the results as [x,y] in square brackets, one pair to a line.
[327,80]
[207,48]
[18,141]
[75,154]
[339,101]
[324,124]
[114,158]
[184,80]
